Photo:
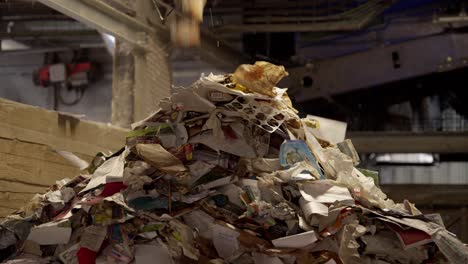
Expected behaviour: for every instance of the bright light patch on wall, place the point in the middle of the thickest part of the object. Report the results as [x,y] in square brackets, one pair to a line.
[9,45]
[405,158]
[109,41]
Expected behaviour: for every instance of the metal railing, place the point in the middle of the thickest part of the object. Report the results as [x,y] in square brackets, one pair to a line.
[453,123]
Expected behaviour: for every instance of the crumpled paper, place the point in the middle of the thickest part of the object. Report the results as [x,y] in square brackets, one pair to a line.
[260,77]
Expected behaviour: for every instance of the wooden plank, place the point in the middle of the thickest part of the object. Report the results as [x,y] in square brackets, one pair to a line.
[35,151]
[11,201]
[33,164]
[60,131]
[21,187]
[4,211]
[14,200]
[14,195]
[33,171]
[29,168]
[28,137]
[408,142]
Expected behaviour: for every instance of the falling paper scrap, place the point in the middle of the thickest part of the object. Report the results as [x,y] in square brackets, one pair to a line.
[226,172]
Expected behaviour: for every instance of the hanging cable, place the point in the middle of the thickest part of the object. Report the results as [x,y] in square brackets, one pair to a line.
[79,96]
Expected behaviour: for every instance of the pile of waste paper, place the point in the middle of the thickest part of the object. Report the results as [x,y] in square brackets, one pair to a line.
[226,172]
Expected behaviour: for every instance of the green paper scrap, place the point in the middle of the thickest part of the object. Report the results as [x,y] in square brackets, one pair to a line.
[372,174]
[161,129]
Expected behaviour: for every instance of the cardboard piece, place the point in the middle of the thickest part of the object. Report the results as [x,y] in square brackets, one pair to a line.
[156,155]
[51,233]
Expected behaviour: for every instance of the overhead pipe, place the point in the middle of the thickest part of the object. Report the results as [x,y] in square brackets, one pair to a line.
[346,25]
[351,20]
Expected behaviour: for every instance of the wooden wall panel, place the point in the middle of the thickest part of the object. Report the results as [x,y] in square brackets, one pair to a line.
[29,137]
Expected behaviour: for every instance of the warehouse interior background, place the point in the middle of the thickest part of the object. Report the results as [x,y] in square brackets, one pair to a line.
[395,71]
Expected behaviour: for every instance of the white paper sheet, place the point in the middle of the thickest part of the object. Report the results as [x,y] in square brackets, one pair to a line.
[296,241]
[225,241]
[201,221]
[110,171]
[324,192]
[152,253]
[73,159]
[310,208]
[120,200]
[149,235]
[215,183]
[302,177]
[331,130]
[188,100]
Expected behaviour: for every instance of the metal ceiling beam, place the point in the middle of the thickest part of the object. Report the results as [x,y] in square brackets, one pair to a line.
[104,18]
[351,20]
[415,58]
[35,34]
[101,16]
[292,27]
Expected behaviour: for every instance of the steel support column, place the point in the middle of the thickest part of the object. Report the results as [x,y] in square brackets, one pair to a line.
[123,80]
[153,77]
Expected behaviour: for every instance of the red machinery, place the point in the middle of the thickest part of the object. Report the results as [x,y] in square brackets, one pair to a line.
[72,75]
